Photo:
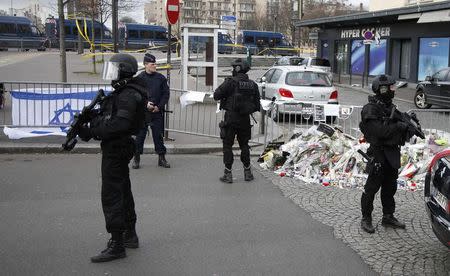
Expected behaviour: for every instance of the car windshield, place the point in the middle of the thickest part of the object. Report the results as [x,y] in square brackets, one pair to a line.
[307,79]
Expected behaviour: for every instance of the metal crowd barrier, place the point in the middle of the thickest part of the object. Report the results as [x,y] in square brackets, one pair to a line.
[284,119]
[54,104]
[30,104]
[433,120]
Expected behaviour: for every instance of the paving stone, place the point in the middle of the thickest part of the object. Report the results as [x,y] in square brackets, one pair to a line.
[414,251]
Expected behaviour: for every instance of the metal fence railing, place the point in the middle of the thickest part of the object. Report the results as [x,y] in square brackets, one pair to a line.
[433,120]
[29,104]
[283,119]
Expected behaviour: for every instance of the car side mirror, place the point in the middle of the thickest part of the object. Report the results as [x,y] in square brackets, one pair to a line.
[263,79]
[429,78]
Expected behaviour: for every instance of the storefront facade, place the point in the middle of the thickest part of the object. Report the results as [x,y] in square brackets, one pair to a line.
[406,43]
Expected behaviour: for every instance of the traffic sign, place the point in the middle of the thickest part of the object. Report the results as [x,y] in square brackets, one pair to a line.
[172,11]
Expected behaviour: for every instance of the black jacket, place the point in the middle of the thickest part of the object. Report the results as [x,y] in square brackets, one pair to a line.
[223,94]
[121,113]
[384,135]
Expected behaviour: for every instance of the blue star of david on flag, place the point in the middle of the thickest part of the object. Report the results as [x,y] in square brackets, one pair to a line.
[66,109]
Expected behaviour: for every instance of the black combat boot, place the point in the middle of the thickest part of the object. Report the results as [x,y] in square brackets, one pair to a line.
[248,176]
[136,161]
[114,250]
[390,221]
[366,225]
[227,177]
[162,162]
[130,239]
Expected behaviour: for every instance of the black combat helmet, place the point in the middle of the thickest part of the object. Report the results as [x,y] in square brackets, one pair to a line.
[120,66]
[240,66]
[384,86]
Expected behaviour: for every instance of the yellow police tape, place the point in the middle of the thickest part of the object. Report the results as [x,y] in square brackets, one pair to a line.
[296,49]
[110,46]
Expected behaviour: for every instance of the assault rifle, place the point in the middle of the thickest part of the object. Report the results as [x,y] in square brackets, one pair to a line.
[81,119]
[411,120]
[372,166]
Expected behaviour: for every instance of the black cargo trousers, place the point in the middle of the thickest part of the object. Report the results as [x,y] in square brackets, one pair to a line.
[386,179]
[240,128]
[117,198]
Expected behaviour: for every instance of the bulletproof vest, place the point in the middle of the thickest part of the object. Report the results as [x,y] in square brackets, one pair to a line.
[141,108]
[244,98]
[376,110]
[108,108]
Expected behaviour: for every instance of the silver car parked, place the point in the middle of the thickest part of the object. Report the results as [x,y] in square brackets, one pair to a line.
[297,85]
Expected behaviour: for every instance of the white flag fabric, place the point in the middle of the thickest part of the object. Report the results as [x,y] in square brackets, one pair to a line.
[27,132]
[191,97]
[43,111]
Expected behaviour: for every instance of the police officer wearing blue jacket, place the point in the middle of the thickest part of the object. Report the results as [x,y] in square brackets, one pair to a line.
[158,95]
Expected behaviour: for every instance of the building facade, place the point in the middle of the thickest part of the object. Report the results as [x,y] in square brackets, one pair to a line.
[210,11]
[378,5]
[408,43]
[154,13]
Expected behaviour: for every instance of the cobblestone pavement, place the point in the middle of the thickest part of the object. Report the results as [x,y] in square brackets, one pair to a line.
[414,251]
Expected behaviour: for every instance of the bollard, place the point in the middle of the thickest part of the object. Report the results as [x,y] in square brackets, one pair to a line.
[262,121]
[249,57]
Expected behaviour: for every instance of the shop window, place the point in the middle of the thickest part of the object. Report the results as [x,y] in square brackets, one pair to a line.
[433,55]
[405,58]
[341,57]
[357,57]
[377,61]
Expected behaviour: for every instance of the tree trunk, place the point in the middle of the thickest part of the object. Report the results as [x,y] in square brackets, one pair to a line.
[62,44]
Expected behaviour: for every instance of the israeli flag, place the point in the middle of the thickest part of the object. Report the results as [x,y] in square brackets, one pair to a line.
[41,111]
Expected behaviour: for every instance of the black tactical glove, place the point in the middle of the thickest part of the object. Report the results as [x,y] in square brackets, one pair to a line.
[402,126]
[85,133]
[410,132]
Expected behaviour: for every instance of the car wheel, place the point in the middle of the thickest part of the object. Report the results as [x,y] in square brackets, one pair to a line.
[420,100]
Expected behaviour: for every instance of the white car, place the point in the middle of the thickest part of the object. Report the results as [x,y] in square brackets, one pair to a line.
[319,63]
[297,84]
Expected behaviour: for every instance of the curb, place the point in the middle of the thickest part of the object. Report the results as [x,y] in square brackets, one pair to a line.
[30,148]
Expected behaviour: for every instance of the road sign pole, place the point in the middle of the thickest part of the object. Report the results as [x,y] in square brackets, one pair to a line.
[172,14]
[169,51]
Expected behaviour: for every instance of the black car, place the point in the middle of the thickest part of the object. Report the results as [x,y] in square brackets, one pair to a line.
[437,196]
[434,90]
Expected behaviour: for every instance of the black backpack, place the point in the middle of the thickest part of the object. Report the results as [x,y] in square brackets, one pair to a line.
[140,114]
[245,99]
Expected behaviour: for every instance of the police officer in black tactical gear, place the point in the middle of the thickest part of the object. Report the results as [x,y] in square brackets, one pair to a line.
[158,95]
[385,136]
[120,116]
[239,97]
